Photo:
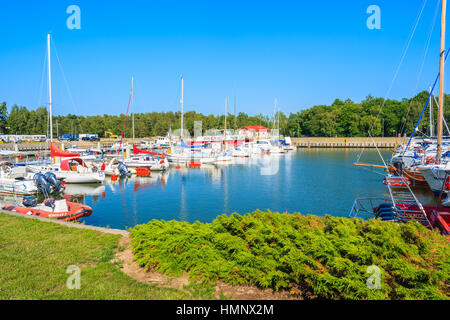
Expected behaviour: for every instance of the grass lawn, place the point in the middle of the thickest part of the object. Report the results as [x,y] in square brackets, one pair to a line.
[35,255]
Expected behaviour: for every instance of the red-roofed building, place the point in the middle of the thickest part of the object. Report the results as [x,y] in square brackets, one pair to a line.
[255,131]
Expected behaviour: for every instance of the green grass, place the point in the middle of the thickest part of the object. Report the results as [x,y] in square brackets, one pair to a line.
[34,257]
[322,257]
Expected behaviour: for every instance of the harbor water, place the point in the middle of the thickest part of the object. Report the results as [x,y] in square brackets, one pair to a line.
[309,181]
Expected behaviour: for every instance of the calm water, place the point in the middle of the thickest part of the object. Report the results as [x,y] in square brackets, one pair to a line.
[317,181]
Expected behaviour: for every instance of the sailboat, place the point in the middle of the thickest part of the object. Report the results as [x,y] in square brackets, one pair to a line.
[142,158]
[403,205]
[73,169]
[225,155]
[437,173]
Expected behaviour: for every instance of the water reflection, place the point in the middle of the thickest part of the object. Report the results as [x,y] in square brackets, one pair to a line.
[312,181]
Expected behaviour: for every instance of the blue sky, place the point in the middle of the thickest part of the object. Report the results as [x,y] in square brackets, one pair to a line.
[303,53]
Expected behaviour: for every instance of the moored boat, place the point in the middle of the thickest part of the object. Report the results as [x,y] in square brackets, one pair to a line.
[51,208]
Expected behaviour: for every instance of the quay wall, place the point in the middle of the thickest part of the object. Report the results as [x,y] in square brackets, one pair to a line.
[315,142]
[307,142]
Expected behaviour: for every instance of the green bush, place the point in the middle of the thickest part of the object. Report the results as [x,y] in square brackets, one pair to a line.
[320,257]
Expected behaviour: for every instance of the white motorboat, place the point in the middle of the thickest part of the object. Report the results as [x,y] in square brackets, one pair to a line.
[16,180]
[225,156]
[73,170]
[115,167]
[147,161]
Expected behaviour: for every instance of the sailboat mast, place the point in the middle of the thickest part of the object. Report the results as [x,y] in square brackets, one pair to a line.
[225,132]
[441,83]
[182,102]
[132,102]
[431,114]
[235,115]
[50,87]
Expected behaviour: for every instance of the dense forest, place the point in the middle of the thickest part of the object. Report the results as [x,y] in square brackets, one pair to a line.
[341,119]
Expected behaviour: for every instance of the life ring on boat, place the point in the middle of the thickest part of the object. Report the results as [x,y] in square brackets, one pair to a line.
[430,160]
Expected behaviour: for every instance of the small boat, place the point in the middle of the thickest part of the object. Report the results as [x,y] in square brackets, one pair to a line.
[73,170]
[147,161]
[115,167]
[239,153]
[225,156]
[16,180]
[438,216]
[51,208]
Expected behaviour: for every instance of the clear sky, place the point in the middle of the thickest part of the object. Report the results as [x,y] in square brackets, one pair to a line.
[303,53]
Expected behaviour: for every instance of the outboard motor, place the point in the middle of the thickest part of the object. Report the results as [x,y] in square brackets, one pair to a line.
[41,183]
[29,201]
[50,203]
[52,181]
[123,170]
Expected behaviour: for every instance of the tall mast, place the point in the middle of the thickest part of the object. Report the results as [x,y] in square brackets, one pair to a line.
[278,120]
[182,102]
[225,133]
[441,83]
[431,114]
[132,102]
[50,87]
[235,115]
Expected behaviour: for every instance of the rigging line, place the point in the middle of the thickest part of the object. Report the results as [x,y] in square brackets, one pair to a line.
[416,127]
[373,171]
[376,147]
[422,64]
[65,79]
[443,118]
[433,23]
[402,57]
[124,122]
[405,50]
[42,80]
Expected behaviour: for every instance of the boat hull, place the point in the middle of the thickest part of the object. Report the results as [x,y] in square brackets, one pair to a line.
[75,211]
[434,175]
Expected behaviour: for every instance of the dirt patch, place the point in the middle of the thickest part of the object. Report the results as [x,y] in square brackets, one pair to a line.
[125,257]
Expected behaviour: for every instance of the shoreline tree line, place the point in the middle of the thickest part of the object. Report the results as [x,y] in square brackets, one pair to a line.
[340,119]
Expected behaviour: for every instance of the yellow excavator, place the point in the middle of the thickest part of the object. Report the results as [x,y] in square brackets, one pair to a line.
[109,134]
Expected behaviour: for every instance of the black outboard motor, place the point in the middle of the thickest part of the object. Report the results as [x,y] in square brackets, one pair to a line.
[29,201]
[41,183]
[123,170]
[50,203]
[53,182]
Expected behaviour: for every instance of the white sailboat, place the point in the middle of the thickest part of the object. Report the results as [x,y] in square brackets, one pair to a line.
[436,174]
[72,170]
